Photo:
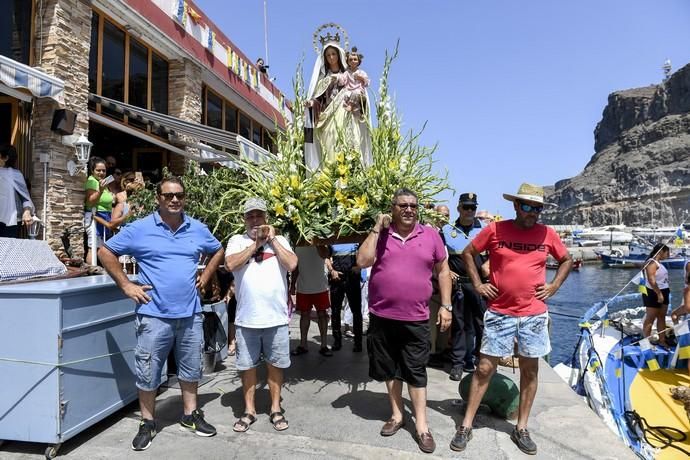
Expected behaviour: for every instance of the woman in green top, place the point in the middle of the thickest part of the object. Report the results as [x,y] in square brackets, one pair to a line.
[97,196]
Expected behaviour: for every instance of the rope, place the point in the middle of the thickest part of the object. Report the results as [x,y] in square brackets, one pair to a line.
[66,364]
[666,435]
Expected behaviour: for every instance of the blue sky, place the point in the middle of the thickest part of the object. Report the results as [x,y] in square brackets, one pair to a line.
[511,90]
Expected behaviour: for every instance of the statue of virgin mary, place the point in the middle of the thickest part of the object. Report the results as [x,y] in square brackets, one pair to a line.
[332,125]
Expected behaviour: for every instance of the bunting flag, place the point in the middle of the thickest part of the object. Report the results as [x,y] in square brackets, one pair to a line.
[211,39]
[641,282]
[242,69]
[603,315]
[228,57]
[682,331]
[618,355]
[196,17]
[648,355]
[593,363]
[235,63]
[180,15]
[254,77]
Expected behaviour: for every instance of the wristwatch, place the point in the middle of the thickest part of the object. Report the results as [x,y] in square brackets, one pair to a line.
[448,307]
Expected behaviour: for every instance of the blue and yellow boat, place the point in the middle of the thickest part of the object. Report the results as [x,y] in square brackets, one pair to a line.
[627,381]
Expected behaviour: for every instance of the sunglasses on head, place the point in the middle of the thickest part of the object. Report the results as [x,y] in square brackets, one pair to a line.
[169,196]
[411,206]
[469,207]
[530,208]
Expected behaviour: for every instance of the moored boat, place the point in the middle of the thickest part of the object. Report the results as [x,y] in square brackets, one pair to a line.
[627,381]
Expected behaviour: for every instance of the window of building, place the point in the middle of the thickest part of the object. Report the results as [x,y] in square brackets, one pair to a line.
[15,30]
[138,78]
[123,68]
[230,118]
[214,110]
[245,126]
[256,134]
[113,65]
[159,84]
[93,57]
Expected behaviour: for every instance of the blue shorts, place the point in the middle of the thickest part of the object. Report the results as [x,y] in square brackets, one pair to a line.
[156,337]
[531,332]
[272,344]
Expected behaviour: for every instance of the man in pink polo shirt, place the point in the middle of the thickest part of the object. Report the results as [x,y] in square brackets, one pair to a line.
[404,256]
[517,291]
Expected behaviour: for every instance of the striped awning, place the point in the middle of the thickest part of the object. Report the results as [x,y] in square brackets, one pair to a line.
[17,75]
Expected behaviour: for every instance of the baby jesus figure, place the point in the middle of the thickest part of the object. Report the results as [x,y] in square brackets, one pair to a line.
[354,82]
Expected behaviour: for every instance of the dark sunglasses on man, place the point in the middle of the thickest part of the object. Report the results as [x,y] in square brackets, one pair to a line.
[530,208]
[412,206]
[169,196]
[469,207]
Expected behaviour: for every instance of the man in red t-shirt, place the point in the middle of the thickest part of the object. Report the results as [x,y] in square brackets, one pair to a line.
[517,290]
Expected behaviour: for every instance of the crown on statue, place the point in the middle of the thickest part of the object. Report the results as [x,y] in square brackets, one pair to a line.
[329,38]
[330,33]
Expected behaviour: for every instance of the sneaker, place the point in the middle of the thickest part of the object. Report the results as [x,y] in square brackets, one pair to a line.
[456,373]
[461,438]
[146,433]
[522,439]
[195,423]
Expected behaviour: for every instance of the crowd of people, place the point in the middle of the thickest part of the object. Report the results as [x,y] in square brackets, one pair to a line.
[488,281]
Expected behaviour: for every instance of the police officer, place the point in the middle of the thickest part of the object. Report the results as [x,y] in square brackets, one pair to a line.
[468,305]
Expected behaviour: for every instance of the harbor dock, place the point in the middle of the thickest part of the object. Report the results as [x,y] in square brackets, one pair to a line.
[336,411]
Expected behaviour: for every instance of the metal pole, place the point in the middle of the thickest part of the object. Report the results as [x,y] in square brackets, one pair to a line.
[94,238]
[266,33]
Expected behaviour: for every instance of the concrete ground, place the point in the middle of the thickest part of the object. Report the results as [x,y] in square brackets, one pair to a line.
[336,411]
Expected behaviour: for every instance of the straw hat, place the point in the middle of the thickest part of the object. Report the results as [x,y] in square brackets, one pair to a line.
[527,192]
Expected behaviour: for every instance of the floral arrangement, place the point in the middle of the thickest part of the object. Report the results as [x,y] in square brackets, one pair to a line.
[342,199]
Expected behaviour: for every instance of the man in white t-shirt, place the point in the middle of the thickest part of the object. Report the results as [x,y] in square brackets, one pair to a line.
[312,291]
[260,261]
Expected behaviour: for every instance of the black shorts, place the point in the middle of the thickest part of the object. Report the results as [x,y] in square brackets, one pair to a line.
[650,299]
[398,350]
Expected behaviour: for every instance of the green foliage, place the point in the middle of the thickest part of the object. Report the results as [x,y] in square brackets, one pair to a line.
[340,199]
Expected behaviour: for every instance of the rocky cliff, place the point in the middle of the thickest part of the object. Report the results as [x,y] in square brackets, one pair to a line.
[640,172]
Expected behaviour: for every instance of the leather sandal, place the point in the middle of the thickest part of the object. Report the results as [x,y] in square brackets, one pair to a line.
[391,427]
[278,421]
[241,426]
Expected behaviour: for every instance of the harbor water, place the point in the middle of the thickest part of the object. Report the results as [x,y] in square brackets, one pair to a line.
[582,289]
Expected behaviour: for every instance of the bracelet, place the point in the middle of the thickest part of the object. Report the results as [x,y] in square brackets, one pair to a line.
[271,240]
[374,231]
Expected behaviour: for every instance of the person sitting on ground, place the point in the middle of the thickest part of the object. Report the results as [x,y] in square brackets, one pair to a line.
[260,261]
[13,186]
[656,299]
[310,282]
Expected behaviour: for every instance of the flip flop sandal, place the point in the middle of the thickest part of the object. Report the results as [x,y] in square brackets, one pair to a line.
[325,352]
[277,420]
[240,426]
[300,350]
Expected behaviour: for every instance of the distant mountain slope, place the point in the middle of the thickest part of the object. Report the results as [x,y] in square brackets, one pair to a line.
[642,161]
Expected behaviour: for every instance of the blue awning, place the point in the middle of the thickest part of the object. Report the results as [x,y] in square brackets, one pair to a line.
[17,75]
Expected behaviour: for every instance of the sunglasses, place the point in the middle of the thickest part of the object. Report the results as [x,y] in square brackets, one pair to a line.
[169,196]
[469,207]
[411,206]
[530,208]
[259,255]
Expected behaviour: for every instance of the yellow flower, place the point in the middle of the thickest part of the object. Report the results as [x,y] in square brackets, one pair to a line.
[393,164]
[361,201]
[340,157]
[294,181]
[342,169]
[275,191]
[279,209]
[340,196]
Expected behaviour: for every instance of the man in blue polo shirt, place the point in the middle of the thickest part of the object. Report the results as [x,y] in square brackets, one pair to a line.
[167,246]
[468,306]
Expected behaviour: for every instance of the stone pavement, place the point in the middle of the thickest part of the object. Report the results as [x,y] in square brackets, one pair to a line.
[336,411]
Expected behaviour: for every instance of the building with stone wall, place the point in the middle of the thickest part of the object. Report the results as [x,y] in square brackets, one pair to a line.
[152,83]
